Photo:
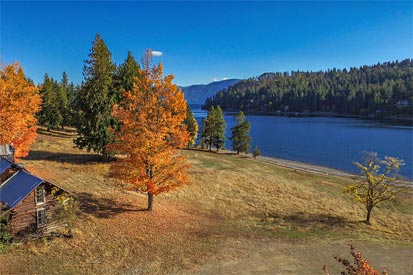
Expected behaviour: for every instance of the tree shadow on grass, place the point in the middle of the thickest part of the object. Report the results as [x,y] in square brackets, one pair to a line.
[64,157]
[58,133]
[103,207]
[300,219]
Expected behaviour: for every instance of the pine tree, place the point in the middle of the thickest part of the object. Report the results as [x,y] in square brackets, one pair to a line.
[62,99]
[96,98]
[208,128]
[50,114]
[219,129]
[202,134]
[151,131]
[256,152]
[71,115]
[214,130]
[125,76]
[191,124]
[240,134]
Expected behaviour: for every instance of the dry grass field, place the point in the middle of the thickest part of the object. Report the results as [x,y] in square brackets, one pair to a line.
[239,216]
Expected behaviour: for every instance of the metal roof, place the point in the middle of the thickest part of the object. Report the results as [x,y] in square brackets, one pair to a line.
[4,165]
[18,187]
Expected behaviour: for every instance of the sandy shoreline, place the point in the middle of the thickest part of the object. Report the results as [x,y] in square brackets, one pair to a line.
[290,164]
[305,167]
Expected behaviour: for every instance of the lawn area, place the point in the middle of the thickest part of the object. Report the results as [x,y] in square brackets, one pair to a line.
[239,216]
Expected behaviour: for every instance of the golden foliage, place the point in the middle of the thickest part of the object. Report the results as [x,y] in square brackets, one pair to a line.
[19,102]
[378,185]
[151,132]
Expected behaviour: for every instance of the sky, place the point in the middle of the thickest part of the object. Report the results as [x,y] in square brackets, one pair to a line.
[201,42]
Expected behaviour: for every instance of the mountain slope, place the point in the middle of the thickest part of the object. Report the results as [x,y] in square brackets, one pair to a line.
[381,90]
[197,94]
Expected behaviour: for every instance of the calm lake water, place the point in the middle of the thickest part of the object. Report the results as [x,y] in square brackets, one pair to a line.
[330,142]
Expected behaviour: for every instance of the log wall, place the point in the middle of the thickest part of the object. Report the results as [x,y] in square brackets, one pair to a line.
[24,214]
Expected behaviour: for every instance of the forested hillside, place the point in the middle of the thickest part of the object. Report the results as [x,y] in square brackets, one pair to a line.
[380,90]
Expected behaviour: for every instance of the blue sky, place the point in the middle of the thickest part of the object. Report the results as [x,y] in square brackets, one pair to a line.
[203,41]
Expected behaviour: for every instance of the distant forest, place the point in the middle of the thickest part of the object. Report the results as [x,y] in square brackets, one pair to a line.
[381,90]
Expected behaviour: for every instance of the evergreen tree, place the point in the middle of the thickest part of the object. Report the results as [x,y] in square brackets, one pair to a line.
[202,133]
[191,124]
[50,114]
[240,134]
[62,99]
[256,152]
[96,98]
[71,115]
[214,131]
[125,76]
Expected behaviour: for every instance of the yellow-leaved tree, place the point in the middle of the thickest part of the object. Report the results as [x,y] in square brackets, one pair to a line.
[151,133]
[19,103]
[379,182]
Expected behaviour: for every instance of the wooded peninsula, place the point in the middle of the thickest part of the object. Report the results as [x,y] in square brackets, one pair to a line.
[379,91]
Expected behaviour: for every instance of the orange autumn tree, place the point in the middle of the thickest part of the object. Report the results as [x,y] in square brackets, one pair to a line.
[19,103]
[152,131]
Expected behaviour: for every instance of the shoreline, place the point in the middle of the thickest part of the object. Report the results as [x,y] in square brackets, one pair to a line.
[289,164]
[397,120]
[307,167]
[294,165]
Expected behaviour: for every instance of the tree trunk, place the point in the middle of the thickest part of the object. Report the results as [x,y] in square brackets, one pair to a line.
[368,215]
[105,155]
[150,201]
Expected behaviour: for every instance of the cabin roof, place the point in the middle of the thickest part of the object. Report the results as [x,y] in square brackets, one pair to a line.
[18,187]
[4,164]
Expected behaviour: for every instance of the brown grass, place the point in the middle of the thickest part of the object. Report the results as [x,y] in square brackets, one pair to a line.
[239,216]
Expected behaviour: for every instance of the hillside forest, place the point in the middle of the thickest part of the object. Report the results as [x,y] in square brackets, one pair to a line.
[381,90]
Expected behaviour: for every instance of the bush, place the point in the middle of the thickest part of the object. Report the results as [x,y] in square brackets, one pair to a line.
[5,233]
[360,267]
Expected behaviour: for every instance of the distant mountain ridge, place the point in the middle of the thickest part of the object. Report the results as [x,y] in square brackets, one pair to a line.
[197,94]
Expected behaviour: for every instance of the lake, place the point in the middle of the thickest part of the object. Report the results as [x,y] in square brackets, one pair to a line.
[330,142]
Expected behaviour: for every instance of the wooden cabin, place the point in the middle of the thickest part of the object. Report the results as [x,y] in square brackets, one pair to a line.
[27,200]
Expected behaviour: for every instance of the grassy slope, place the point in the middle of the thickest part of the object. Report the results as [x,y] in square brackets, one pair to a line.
[239,216]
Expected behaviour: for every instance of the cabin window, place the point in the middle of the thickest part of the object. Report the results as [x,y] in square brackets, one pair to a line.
[40,196]
[41,217]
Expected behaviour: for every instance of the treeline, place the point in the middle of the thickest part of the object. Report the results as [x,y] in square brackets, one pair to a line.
[380,90]
[89,106]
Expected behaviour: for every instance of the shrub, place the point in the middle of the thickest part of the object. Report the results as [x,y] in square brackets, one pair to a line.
[360,266]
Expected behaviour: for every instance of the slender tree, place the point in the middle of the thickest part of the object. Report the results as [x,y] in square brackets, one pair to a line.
[96,98]
[202,133]
[72,110]
[151,118]
[50,114]
[379,184]
[63,100]
[214,130]
[191,124]
[240,134]
[219,129]
[19,103]
[256,152]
